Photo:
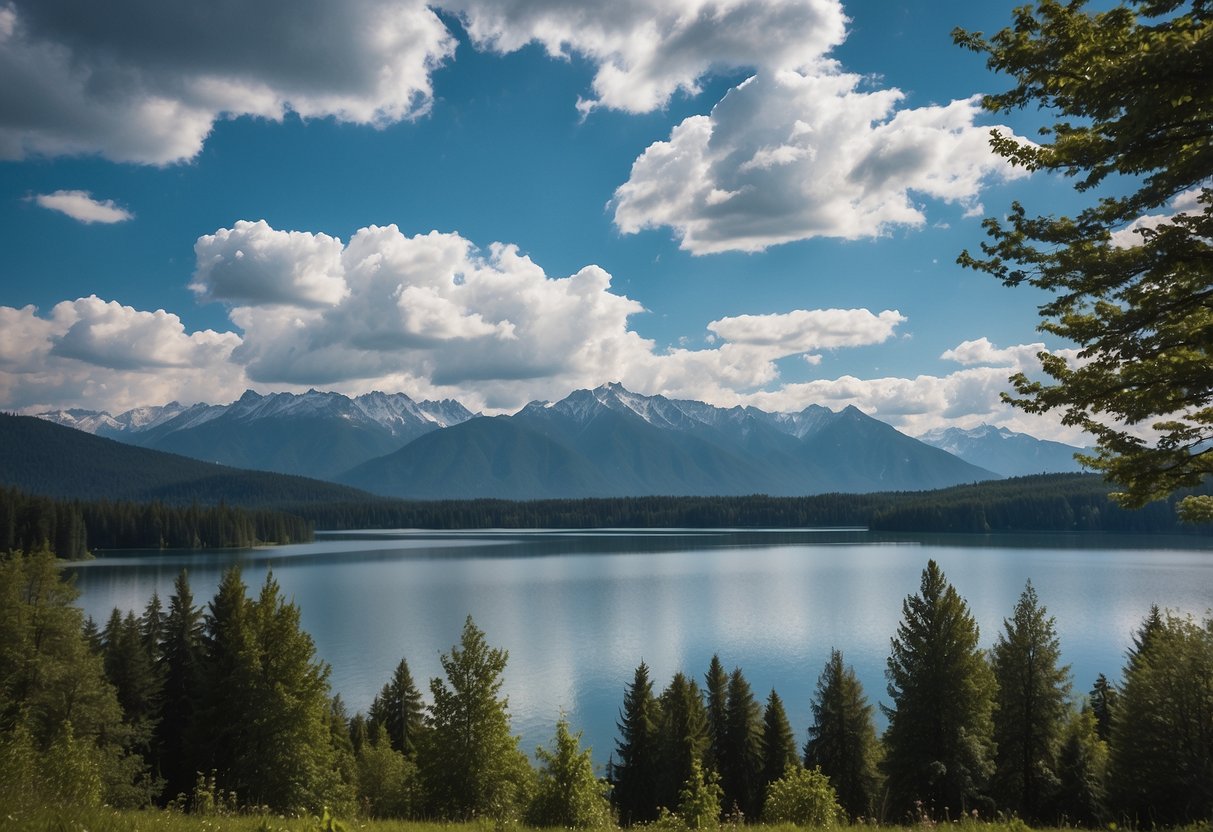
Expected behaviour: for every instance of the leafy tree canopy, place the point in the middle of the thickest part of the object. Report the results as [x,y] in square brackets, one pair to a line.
[1132,274]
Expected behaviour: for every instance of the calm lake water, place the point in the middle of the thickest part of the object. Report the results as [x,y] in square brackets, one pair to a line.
[578,611]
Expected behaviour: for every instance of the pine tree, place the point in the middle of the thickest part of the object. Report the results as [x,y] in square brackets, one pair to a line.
[398,708]
[634,775]
[568,795]
[716,683]
[1082,763]
[741,764]
[1103,705]
[778,742]
[1161,766]
[937,746]
[1031,707]
[179,667]
[684,736]
[842,738]
[470,762]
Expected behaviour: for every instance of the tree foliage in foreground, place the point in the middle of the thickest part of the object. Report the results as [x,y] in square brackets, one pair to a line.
[568,794]
[842,739]
[938,743]
[1132,274]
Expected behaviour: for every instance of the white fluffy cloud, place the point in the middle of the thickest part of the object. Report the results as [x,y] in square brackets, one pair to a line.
[793,155]
[80,78]
[1184,203]
[645,51]
[80,205]
[434,316]
[94,353]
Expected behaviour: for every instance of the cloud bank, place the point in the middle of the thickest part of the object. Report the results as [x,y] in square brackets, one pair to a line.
[432,315]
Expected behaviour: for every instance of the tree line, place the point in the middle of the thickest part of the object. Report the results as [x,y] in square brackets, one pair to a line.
[228,705]
[1048,502]
[73,527]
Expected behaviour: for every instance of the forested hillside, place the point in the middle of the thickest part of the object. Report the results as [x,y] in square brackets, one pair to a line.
[42,458]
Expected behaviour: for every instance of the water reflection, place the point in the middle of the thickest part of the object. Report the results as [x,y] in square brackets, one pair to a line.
[579,610]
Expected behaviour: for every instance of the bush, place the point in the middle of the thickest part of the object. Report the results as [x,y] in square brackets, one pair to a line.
[803,797]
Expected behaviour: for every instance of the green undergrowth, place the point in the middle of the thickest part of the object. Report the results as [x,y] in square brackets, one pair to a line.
[152,820]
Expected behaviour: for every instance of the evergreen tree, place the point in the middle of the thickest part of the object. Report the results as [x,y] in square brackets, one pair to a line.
[470,762]
[130,670]
[60,722]
[842,739]
[778,741]
[937,746]
[1082,763]
[1031,708]
[741,764]
[388,785]
[567,794]
[1103,705]
[1161,766]
[716,684]
[684,736]
[151,627]
[179,668]
[265,681]
[699,799]
[398,708]
[634,776]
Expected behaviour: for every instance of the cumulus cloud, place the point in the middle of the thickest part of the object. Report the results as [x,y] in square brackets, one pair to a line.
[80,205]
[793,155]
[645,51]
[101,354]
[81,78]
[804,330]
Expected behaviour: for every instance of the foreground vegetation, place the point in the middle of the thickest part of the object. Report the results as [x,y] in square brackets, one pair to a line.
[128,714]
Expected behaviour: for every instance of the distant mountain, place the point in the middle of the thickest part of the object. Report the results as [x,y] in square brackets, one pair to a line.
[1005,451]
[42,458]
[611,442]
[312,434]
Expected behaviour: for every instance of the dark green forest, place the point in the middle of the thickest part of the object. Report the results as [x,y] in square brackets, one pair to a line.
[74,528]
[227,705]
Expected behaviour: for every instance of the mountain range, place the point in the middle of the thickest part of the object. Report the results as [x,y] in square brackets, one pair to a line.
[1005,451]
[604,442]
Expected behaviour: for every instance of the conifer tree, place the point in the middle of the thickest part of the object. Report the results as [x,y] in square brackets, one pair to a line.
[842,738]
[1103,705]
[778,742]
[470,761]
[937,746]
[567,794]
[1031,708]
[684,736]
[716,684]
[1162,731]
[1082,764]
[741,764]
[398,708]
[634,775]
[151,627]
[179,667]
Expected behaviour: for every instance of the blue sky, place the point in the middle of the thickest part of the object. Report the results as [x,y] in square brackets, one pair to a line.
[739,201]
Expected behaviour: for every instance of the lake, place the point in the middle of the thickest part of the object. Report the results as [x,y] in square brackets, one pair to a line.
[578,611]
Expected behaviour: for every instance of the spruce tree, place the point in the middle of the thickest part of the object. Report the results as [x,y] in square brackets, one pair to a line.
[842,738]
[470,761]
[1082,763]
[684,736]
[1103,705]
[716,684]
[778,742]
[1161,766]
[937,746]
[398,708]
[180,671]
[634,775]
[568,795]
[1031,708]
[741,763]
